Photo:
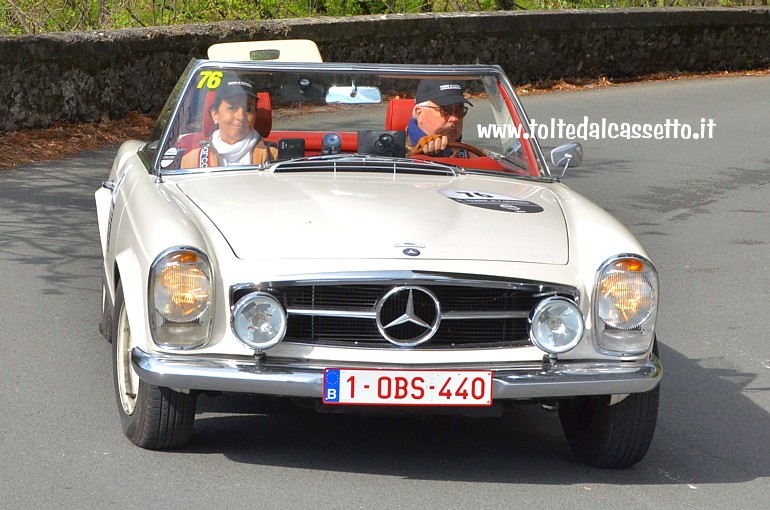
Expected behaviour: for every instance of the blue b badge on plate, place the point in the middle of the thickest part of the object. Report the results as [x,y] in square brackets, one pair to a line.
[331,385]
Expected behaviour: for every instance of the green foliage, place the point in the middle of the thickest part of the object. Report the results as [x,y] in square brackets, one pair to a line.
[39,16]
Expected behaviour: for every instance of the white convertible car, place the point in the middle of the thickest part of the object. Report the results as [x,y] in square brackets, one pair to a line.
[372,235]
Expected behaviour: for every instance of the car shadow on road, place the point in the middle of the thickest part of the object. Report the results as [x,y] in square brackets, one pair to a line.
[709,431]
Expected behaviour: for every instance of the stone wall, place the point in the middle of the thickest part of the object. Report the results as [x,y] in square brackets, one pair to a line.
[85,76]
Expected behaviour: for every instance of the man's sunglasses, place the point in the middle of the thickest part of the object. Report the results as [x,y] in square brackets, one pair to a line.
[457,110]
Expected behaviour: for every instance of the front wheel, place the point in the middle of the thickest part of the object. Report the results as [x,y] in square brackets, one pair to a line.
[153,417]
[610,436]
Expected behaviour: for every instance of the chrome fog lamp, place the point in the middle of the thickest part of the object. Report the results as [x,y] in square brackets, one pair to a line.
[626,305]
[259,320]
[556,325]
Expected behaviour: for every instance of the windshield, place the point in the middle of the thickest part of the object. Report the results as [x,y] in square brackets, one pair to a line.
[227,115]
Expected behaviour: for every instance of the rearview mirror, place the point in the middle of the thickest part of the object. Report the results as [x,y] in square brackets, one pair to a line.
[354,95]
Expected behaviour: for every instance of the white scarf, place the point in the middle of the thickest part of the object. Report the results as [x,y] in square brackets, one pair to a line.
[238,153]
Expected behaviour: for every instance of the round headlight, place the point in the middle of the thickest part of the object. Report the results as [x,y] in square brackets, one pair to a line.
[625,306]
[181,298]
[627,294]
[182,290]
[556,325]
[259,320]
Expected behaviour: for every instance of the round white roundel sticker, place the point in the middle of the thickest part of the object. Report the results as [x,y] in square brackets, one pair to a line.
[494,201]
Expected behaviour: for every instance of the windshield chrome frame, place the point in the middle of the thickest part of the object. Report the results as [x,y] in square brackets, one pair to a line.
[385,70]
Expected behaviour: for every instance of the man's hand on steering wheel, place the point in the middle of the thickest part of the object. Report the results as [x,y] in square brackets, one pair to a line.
[431,145]
[434,145]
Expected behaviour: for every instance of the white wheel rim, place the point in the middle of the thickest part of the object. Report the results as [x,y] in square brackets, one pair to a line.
[128,381]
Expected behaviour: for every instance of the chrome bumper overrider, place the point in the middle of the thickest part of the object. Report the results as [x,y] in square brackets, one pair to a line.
[303,379]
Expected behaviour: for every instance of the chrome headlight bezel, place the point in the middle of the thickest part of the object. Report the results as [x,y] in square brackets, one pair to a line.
[181,298]
[273,318]
[625,305]
[556,317]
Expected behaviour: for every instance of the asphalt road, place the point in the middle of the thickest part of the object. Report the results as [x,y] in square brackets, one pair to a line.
[701,208]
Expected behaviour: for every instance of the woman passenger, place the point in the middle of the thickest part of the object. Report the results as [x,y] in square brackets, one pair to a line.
[235,141]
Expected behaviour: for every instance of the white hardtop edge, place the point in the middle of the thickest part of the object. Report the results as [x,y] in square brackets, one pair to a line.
[305,51]
[286,50]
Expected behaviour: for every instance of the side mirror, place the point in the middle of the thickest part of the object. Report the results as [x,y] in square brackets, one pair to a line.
[569,155]
[170,158]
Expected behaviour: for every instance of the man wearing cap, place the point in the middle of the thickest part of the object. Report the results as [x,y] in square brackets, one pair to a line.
[235,142]
[437,119]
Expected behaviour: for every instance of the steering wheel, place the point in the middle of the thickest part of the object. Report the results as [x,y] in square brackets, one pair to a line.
[470,148]
[422,142]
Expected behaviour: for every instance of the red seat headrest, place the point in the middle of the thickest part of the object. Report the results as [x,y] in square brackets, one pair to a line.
[264,121]
[399,114]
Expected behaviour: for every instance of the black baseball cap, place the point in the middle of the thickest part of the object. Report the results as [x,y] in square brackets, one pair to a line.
[441,92]
[234,85]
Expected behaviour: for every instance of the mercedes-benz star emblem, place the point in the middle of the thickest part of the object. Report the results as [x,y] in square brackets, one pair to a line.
[408,315]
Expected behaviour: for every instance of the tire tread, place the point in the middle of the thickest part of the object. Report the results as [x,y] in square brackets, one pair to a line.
[615,436]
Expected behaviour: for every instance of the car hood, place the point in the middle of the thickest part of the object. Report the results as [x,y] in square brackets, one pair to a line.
[378,216]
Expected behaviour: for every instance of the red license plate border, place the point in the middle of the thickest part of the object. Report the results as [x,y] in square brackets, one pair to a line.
[336,375]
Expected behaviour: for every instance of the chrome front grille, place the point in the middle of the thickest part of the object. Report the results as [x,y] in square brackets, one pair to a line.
[343,310]
[364,333]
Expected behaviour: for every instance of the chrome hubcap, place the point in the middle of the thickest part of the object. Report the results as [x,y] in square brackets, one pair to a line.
[128,381]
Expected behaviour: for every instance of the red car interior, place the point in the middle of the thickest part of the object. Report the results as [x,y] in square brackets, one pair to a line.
[398,114]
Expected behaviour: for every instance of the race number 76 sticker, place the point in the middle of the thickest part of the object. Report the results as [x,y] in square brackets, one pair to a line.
[210,79]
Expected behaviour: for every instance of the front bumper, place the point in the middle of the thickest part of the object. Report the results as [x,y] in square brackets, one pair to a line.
[294,378]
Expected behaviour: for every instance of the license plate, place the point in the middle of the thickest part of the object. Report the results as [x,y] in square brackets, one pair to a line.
[408,387]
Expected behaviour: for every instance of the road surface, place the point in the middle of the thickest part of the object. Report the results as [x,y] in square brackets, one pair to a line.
[700,207]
